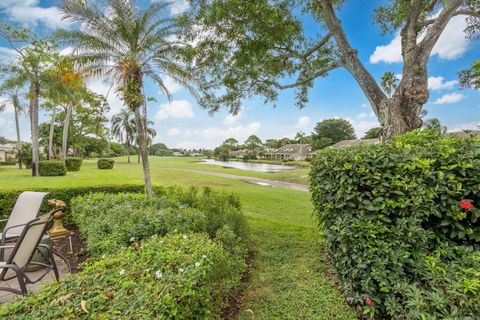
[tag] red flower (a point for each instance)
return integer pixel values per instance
(369, 301)
(467, 205)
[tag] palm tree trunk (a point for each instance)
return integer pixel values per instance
(128, 150)
(65, 131)
(16, 108)
(50, 136)
(143, 151)
(34, 106)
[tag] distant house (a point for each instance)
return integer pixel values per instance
(7, 152)
(296, 152)
(354, 142)
(239, 153)
(466, 133)
(177, 154)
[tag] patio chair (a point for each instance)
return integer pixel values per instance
(26, 209)
(22, 253)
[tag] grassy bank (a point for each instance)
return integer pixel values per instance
(287, 281)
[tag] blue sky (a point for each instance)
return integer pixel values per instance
(181, 123)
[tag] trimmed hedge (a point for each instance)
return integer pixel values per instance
(8, 163)
(8, 198)
(50, 168)
(73, 164)
(105, 163)
(175, 277)
(402, 224)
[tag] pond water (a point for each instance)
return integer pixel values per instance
(251, 166)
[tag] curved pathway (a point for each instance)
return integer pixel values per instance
(249, 179)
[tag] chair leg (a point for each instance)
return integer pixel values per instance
(54, 265)
(21, 279)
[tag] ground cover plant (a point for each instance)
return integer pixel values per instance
(402, 224)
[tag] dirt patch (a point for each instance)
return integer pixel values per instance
(74, 251)
(234, 301)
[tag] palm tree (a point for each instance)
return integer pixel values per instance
(389, 82)
(124, 44)
(12, 90)
(123, 130)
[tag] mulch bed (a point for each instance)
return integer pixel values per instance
(75, 253)
(234, 301)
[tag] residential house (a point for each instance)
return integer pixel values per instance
(296, 152)
(7, 152)
(239, 153)
(354, 142)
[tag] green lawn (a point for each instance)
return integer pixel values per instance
(287, 281)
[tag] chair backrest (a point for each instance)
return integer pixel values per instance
(26, 244)
(26, 209)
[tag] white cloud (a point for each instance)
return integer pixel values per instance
(31, 14)
(437, 83)
(449, 98)
(475, 125)
(179, 6)
(363, 122)
(390, 53)
(303, 121)
(190, 145)
(174, 132)
(3, 122)
(238, 132)
(175, 109)
(451, 44)
(105, 89)
(7, 54)
(231, 119)
(8, 105)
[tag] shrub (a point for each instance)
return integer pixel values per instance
(49, 168)
(390, 213)
(8, 163)
(112, 222)
(175, 277)
(105, 163)
(73, 164)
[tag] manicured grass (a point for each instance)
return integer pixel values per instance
(288, 279)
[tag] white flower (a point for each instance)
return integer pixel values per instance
(184, 237)
(204, 256)
(197, 264)
(122, 272)
(103, 256)
(132, 239)
(181, 270)
(158, 274)
(147, 270)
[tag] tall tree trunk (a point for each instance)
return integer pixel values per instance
(143, 150)
(16, 108)
(138, 155)
(128, 150)
(66, 124)
(50, 135)
(34, 106)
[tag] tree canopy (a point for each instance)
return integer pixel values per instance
(331, 131)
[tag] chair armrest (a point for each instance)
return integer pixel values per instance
(4, 232)
(11, 246)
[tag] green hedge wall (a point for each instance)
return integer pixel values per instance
(105, 163)
(403, 240)
(8, 163)
(73, 163)
(50, 168)
(8, 198)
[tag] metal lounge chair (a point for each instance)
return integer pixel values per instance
(26, 209)
(22, 253)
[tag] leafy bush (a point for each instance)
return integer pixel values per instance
(402, 240)
(50, 168)
(175, 277)
(8, 198)
(73, 164)
(111, 222)
(105, 163)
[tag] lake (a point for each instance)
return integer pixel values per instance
(251, 166)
